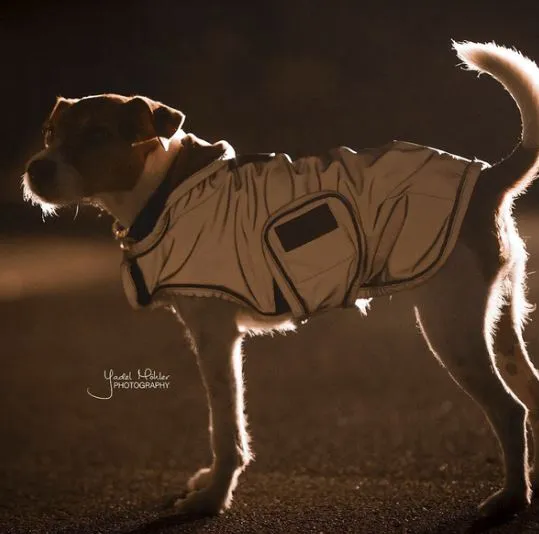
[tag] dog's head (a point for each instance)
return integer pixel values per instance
(96, 144)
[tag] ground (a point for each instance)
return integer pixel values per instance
(356, 427)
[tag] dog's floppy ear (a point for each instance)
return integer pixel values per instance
(147, 119)
(166, 120)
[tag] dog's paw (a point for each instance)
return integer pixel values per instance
(201, 479)
(504, 504)
(534, 482)
(204, 502)
(209, 491)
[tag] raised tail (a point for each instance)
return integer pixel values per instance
(520, 77)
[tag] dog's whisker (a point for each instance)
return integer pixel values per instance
(47, 209)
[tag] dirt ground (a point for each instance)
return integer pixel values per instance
(356, 428)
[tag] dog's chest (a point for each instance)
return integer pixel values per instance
(307, 235)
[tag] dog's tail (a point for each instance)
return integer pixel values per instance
(520, 77)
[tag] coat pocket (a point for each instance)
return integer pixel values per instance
(314, 250)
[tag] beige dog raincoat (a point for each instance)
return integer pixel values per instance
(307, 235)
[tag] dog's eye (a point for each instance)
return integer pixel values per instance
(48, 135)
(97, 134)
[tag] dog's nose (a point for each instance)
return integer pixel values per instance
(41, 171)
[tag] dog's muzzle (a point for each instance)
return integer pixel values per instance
(50, 179)
(41, 177)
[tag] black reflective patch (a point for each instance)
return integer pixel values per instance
(307, 227)
(143, 296)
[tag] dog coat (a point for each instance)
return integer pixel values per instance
(307, 235)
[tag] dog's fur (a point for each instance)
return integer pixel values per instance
(112, 151)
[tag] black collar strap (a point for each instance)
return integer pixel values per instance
(147, 217)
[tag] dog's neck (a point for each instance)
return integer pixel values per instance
(126, 205)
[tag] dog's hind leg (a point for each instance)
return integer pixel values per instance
(519, 373)
(511, 355)
(455, 312)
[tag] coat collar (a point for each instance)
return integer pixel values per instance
(194, 154)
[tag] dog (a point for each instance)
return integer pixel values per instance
(131, 157)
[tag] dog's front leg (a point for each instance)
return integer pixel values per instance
(216, 342)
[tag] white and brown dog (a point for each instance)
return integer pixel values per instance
(230, 256)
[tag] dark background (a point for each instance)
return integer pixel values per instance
(356, 428)
(295, 76)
